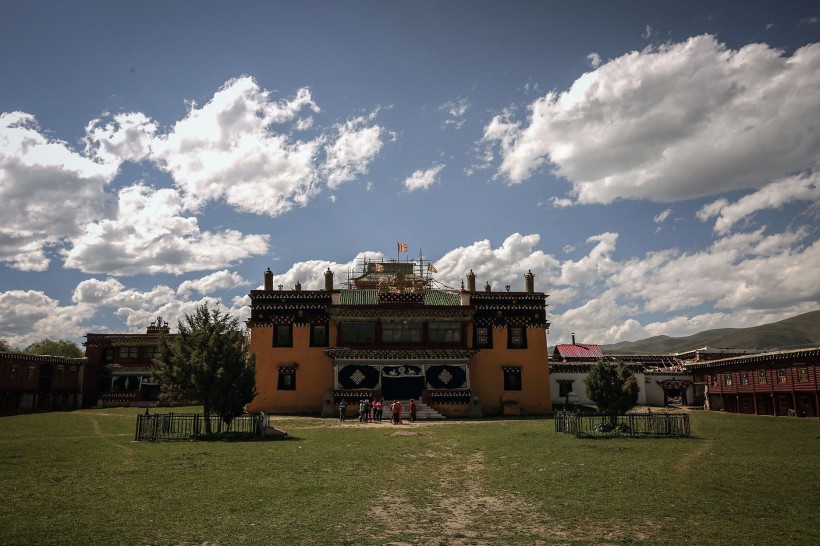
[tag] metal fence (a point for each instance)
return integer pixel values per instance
(670, 425)
(190, 426)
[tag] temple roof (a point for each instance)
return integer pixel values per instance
(586, 351)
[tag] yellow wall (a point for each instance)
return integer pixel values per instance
(487, 375)
(314, 373)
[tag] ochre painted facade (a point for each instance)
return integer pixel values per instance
(462, 353)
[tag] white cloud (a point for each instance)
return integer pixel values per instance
(30, 315)
(672, 122)
(421, 180)
(598, 264)
(221, 280)
(800, 187)
(594, 60)
(662, 216)
(124, 137)
(350, 154)
(149, 235)
(226, 149)
(456, 109)
(647, 33)
(113, 293)
(48, 191)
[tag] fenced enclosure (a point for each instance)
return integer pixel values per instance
(190, 426)
(632, 425)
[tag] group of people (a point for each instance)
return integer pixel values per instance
(373, 411)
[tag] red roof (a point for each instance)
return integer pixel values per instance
(587, 352)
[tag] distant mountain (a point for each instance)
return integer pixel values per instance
(791, 333)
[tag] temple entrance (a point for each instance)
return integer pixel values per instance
(402, 388)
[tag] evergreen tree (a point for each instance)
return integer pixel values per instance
(55, 347)
(208, 360)
(5, 347)
(613, 387)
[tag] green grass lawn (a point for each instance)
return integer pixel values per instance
(78, 478)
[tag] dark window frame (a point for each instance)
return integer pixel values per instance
(564, 388)
(522, 343)
(446, 328)
(512, 378)
(407, 332)
(277, 342)
(477, 343)
(802, 374)
(315, 339)
(287, 379)
(347, 328)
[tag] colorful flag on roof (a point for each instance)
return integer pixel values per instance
(402, 247)
(431, 269)
(379, 267)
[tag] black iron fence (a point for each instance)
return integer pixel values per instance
(671, 425)
(190, 426)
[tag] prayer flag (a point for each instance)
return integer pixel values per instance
(402, 247)
(379, 267)
(431, 269)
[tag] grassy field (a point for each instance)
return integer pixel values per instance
(78, 478)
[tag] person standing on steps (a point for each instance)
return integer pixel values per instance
(342, 410)
(412, 410)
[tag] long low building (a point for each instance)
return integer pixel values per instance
(389, 335)
(40, 383)
(774, 383)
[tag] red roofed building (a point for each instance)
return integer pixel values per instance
(576, 352)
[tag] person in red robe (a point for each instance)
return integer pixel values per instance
(412, 411)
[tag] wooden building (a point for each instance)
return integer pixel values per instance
(776, 383)
(39, 383)
(390, 335)
(120, 370)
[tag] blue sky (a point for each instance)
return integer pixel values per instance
(655, 164)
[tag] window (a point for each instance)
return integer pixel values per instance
(287, 379)
(129, 352)
(517, 338)
(802, 374)
(483, 337)
(714, 380)
(401, 332)
(564, 388)
(151, 352)
(761, 377)
(109, 355)
(744, 378)
(318, 335)
(781, 376)
(357, 332)
(727, 379)
(13, 373)
(60, 372)
(512, 378)
(444, 332)
(283, 335)
(31, 371)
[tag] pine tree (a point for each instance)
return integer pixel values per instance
(613, 387)
(208, 360)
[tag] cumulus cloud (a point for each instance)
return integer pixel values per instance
(31, 315)
(352, 150)
(150, 235)
(662, 216)
(48, 191)
(671, 122)
(113, 293)
(226, 149)
(800, 187)
(221, 280)
(421, 180)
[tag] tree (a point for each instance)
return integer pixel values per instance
(613, 387)
(55, 347)
(5, 347)
(208, 360)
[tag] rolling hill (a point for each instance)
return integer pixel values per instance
(791, 333)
